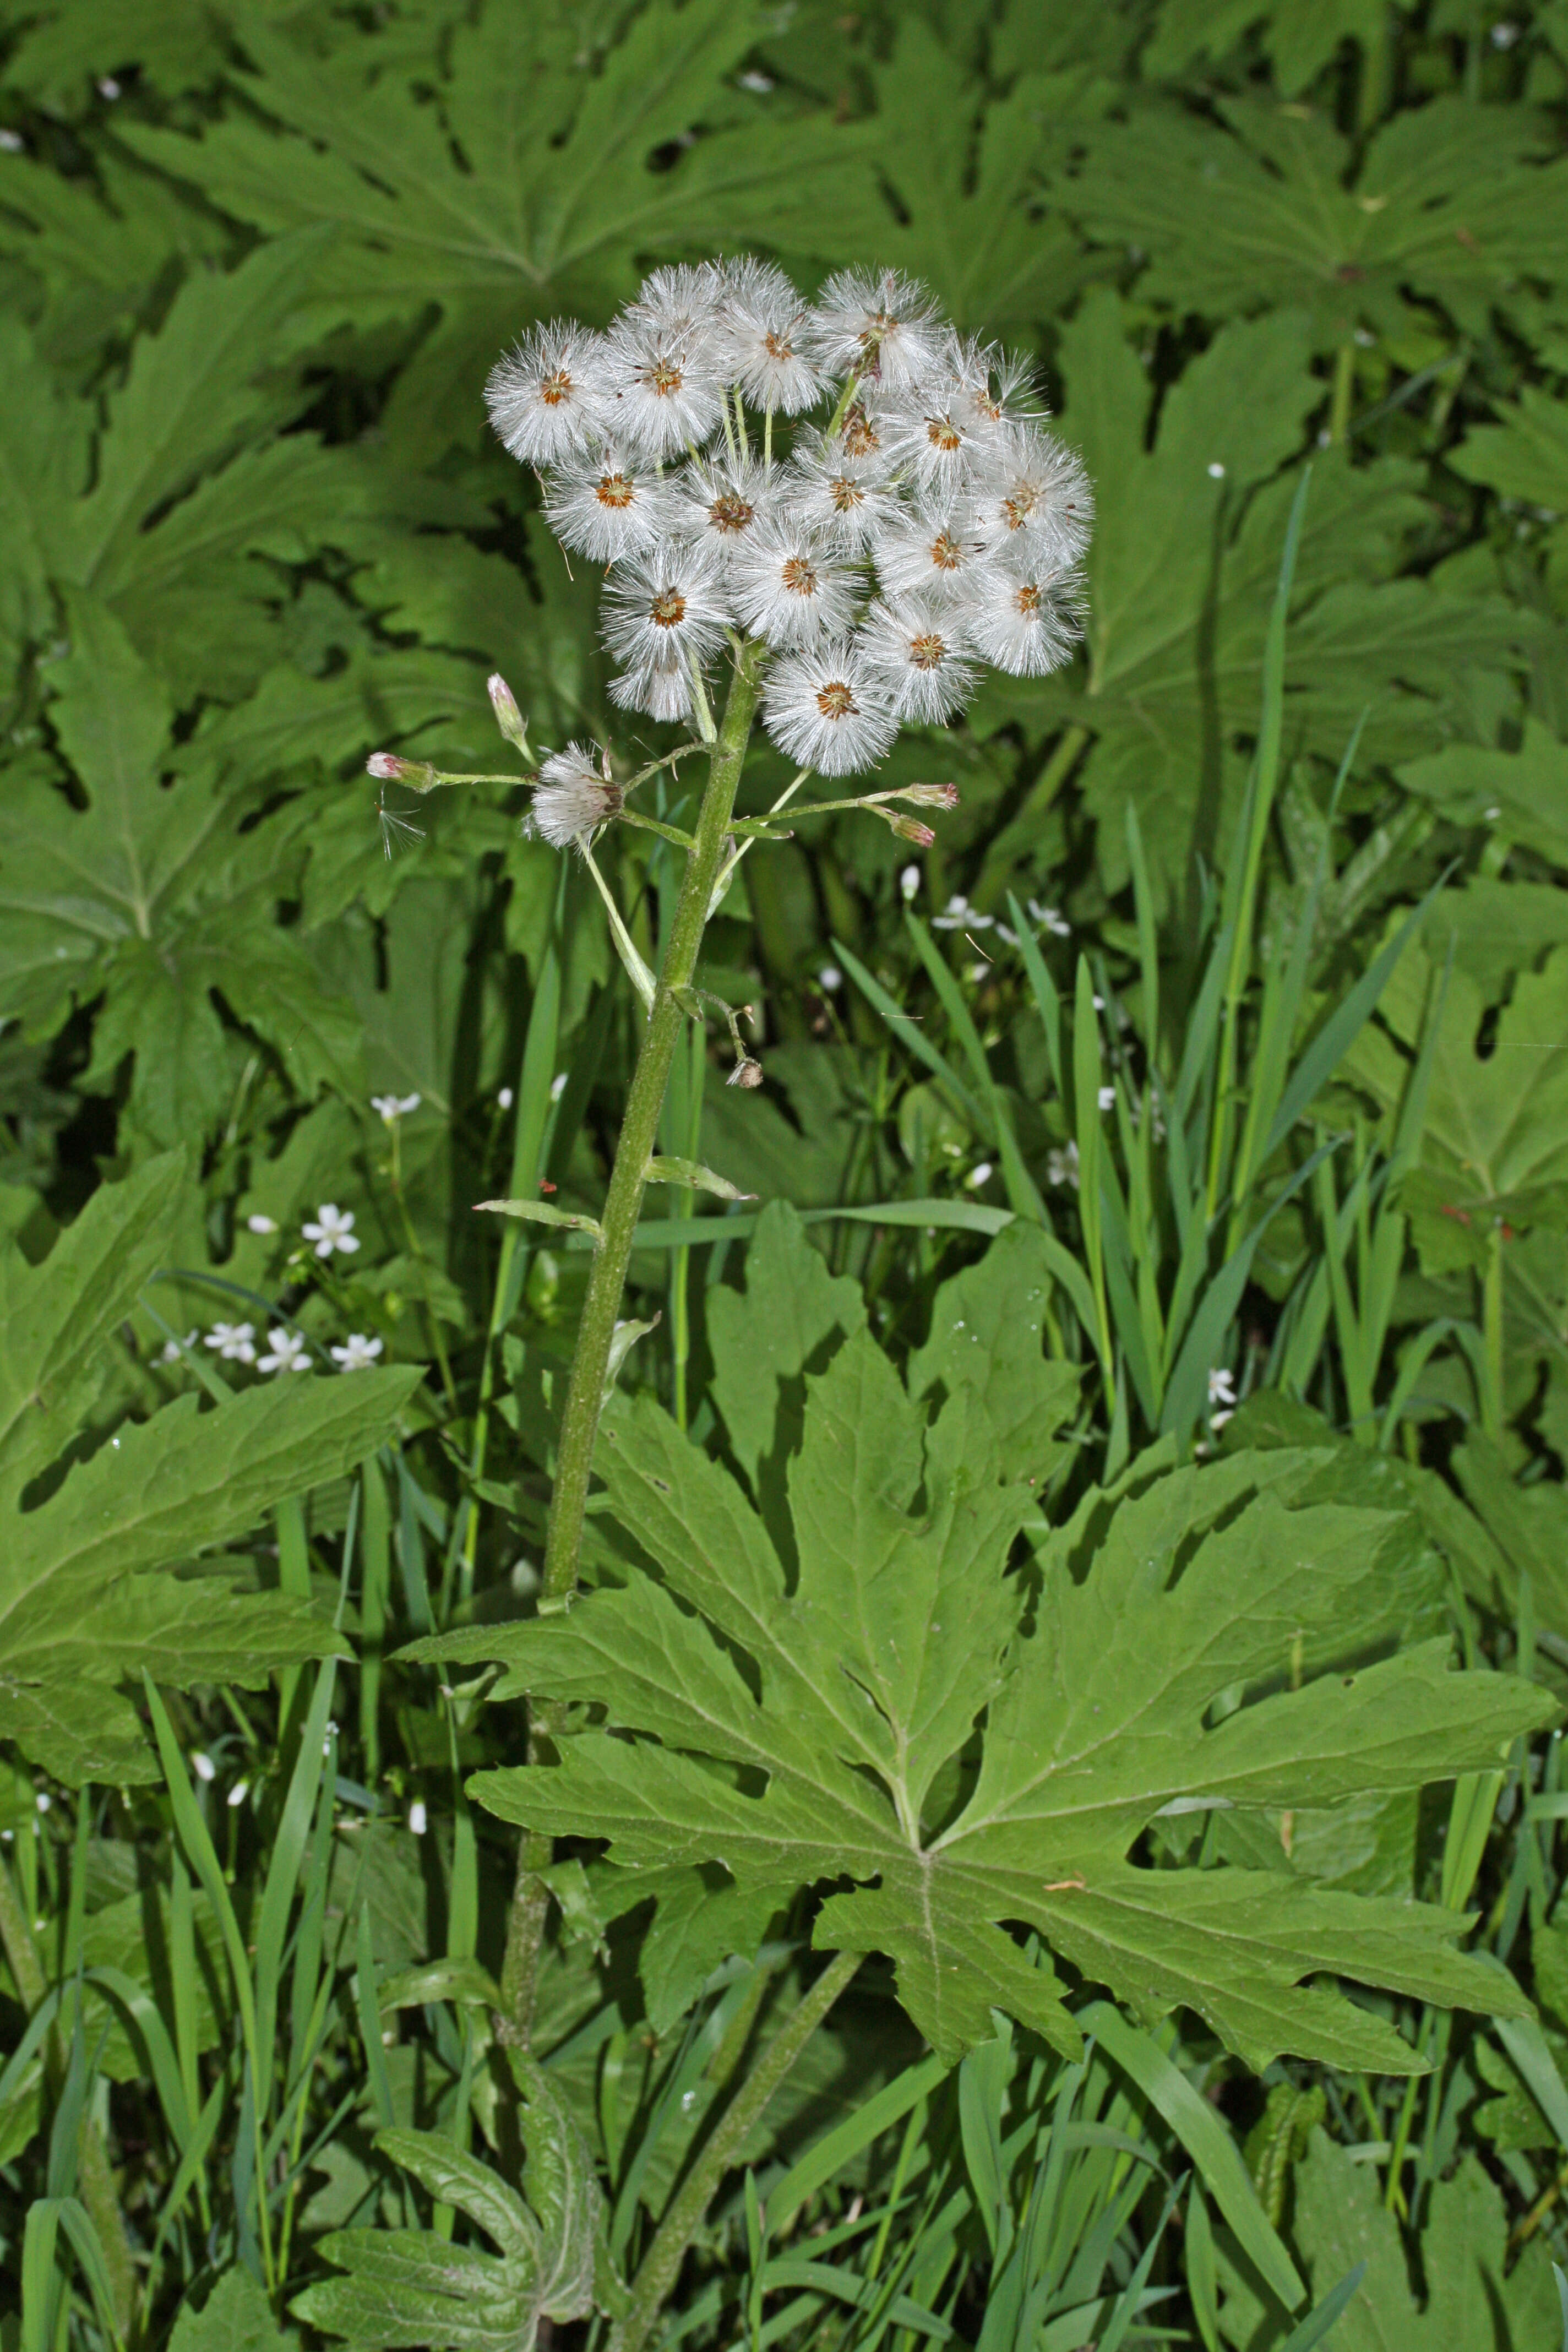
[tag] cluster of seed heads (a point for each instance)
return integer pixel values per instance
(930, 526)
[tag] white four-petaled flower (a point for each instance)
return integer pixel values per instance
(395, 1107)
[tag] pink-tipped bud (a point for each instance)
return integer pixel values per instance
(909, 828)
(746, 1073)
(931, 796)
(509, 717)
(389, 769)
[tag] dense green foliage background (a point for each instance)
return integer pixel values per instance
(256, 260)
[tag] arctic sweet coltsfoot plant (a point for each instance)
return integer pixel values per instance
(925, 526)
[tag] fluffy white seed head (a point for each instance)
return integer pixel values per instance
(881, 325)
(546, 397)
(991, 387)
(790, 587)
(942, 554)
(1032, 491)
(824, 709)
(915, 648)
(1024, 620)
(574, 797)
(762, 339)
(662, 694)
(845, 500)
(724, 499)
(607, 505)
(665, 392)
(665, 609)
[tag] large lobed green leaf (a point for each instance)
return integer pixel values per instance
(82, 1608)
(980, 1751)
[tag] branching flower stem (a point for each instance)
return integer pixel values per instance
(623, 1205)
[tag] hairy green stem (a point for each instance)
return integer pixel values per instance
(660, 2265)
(640, 1129)
(623, 1206)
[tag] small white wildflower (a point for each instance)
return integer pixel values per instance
(608, 505)
(1050, 919)
(547, 397)
(332, 1229)
(753, 80)
(981, 1174)
(259, 1223)
(885, 326)
(825, 710)
(418, 1820)
(505, 1099)
(759, 341)
(958, 915)
(558, 1086)
(573, 798)
(109, 89)
(665, 389)
(1216, 471)
(910, 882)
(11, 142)
(237, 1795)
(1222, 1386)
(202, 1766)
(287, 1353)
(830, 978)
(44, 1802)
(789, 586)
(1492, 814)
(1061, 1167)
(1504, 35)
(356, 1354)
(393, 1108)
(172, 1351)
(233, 1341)
(918, 655)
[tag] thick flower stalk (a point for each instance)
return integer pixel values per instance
(839, 575)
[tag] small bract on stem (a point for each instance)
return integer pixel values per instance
(857, 582)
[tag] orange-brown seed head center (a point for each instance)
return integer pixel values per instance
(835, 702)
(799, 577)
(928, 651)
(614, 490)
(667, 609)
(556, 388)
(730, 513)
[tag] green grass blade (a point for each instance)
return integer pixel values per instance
(1022, 1192)
(1188, 1392)
(907, 1030)
(1205, 2139)
(1317, 2324)
(283, 1871)
(840, 2147)
(1334, 1039)
(1046, 1001)
(1086, 1068)
(368, 2014)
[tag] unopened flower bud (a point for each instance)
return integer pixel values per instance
(509, 717)
(931, 796)
(746, 1073)
(909, 828)
(389, 769)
